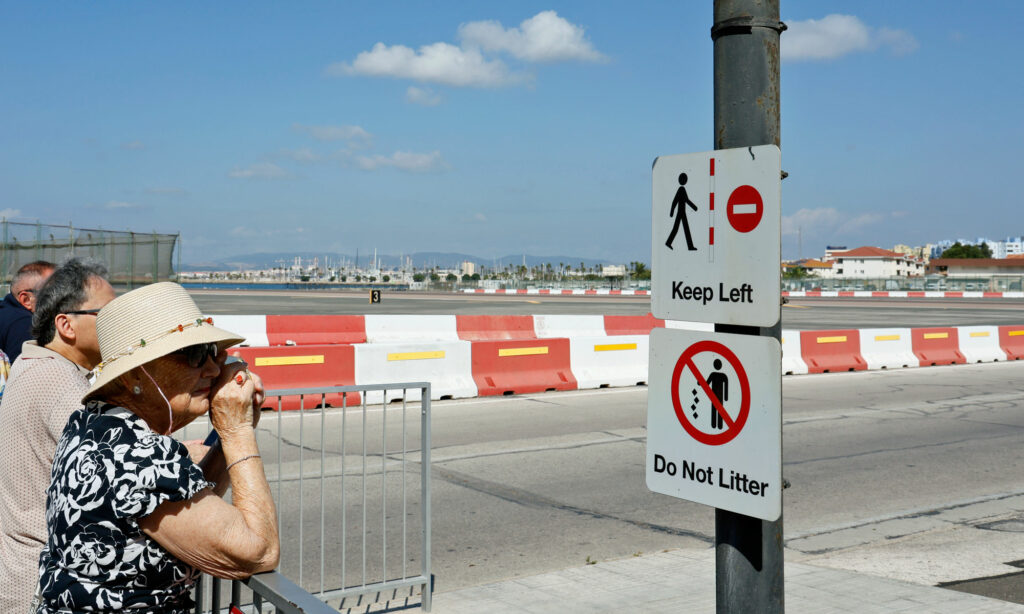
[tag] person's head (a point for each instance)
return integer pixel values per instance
(66, 308)
(160, 356)
(28, 279)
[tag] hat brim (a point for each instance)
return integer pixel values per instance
(158, 349)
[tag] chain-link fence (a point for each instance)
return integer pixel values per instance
(132, 258)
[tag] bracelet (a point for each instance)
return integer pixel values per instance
(244, 458)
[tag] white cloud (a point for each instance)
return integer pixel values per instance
(423, 96)
(260, 170)
(830, 221)
(10, 213)
(355, 135)
(836, 35)
(436, 63)
(304, 155)
(133, 145)
(545, 37)
(404, 161)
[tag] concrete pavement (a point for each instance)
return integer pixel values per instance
(684, 581)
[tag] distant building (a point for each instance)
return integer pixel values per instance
(873, 262)
(978, 267)
(921, 253)
(468, 268)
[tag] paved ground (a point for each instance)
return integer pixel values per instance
(684, 581)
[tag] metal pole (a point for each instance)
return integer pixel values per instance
(748, 551)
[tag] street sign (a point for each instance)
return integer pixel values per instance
(708, 269)
(714, 420)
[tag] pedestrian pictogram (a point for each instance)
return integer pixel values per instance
(678, 211)
(714, 420)
(745, 208)
(728, 272)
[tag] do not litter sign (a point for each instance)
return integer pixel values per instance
(716, 247)
(714, 420)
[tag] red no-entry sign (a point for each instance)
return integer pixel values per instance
(733, 426)
(745, 208)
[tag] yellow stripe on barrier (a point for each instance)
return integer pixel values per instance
(887, 337)
(280, 361)
(983, 333)
(1016, 333)
(416, 355)
(839, 339)
(523, 351)
(613, 347)
(936, 335)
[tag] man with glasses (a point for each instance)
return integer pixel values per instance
(17, 307)
(46, 385)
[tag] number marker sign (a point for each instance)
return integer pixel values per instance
(707, 269)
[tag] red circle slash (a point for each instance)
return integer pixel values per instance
(745, 208)
(733, 426)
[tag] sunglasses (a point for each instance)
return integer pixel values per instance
(83, 312)
(196, 355)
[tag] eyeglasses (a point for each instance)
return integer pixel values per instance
(196, 355)
(82, 312)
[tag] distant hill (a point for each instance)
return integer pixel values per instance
(420, 260)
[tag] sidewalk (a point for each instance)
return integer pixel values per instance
(684, 581)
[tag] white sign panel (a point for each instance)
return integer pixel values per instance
(716, 246)
(714, 420)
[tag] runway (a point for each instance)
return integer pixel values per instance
(798, 314)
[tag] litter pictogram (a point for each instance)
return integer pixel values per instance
(706, 417)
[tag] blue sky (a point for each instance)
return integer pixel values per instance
(492, 128)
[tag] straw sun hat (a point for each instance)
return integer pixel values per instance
(148, 323)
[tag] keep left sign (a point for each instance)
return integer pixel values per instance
(716, 220)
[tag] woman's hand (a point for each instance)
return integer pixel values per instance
(231, 400)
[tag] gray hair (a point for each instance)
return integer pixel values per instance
(29, 274)
(65, 290)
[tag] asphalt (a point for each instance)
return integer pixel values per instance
(684, 581)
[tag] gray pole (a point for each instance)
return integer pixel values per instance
(748, 551)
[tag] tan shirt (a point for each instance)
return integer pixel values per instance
(42, 391)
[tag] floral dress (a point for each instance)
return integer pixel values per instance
(109, 471)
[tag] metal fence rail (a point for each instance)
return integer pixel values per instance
(340, 472)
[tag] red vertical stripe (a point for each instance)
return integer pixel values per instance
(711, 201)
(712, 167)
(711, 238)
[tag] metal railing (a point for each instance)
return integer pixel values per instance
(338, 468)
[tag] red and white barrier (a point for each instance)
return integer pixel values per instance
(575, 292)
(899, 294)
(478, 355)
(887, 348)
(937, 346)
(980, 343)
(792, 360)
(830, 351)
(447, 365)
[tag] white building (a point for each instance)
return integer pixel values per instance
(873, 262)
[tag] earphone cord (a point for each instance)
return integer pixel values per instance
(170, 417)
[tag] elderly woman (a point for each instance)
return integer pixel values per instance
(132, 518)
